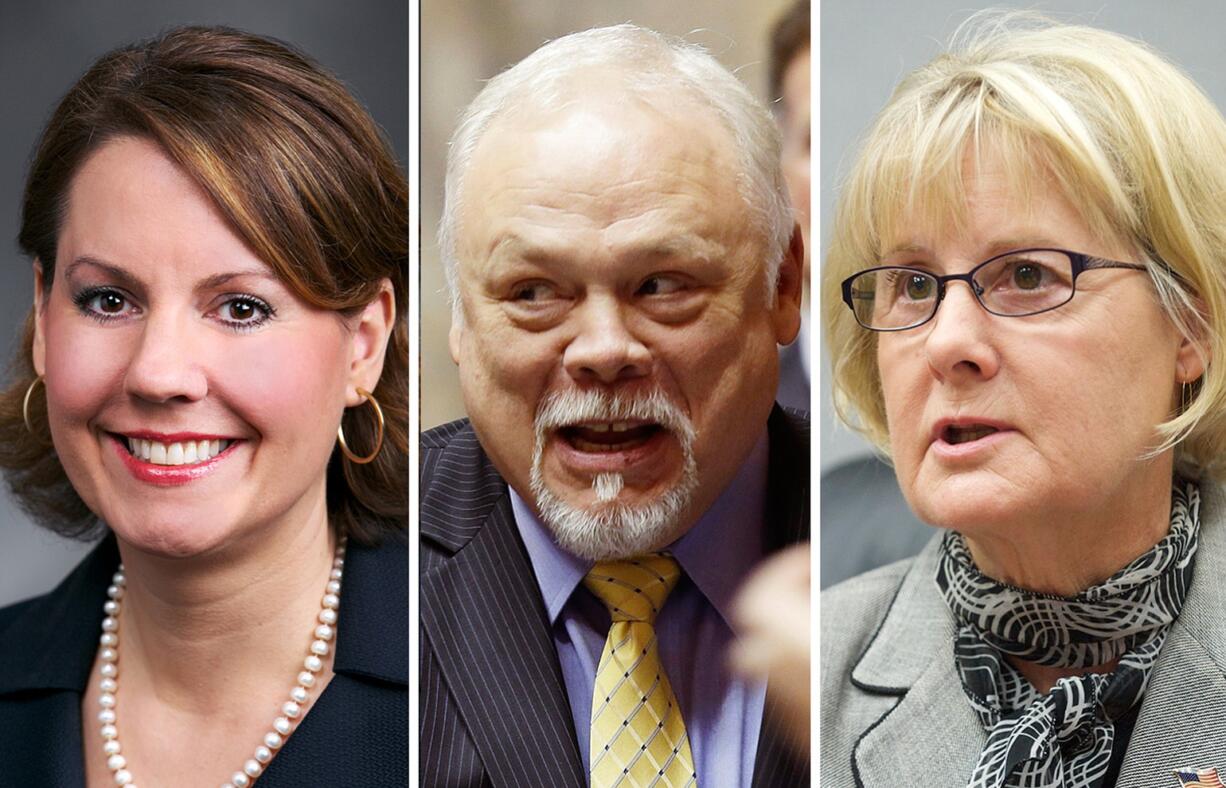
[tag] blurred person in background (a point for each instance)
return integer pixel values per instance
(624, 263)
(1025, 304)
(213, 379)
(789, 90)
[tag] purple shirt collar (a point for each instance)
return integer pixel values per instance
(716, 553)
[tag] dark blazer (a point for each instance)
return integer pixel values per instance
(356, 733)
(494, 710)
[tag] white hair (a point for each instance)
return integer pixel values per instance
(651, 65)
(611, 529)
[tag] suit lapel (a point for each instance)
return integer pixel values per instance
(928, 736)
(1183, 715)
(484, 619)
(931, 732)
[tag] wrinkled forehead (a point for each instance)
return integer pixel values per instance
(604, 160)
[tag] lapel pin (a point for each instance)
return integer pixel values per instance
(1199, 778)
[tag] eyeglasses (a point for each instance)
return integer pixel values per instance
(1014, 284)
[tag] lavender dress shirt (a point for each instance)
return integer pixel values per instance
(723, 713)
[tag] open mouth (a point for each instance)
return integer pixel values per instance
(187, 452)
(609, 436)
(965, 433)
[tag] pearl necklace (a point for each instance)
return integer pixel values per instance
(282, 726)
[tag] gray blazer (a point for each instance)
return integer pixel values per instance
(892, 707)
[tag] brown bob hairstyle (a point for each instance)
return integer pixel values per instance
(298, 170)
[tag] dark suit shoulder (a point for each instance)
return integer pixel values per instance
(438, 437)
(11, 613)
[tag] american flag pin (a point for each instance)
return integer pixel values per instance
(1199, 778)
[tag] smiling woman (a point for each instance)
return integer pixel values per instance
(214, 376)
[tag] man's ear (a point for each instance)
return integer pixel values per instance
(789, 290)
(369, 343)
(39, 349)
(455, 335)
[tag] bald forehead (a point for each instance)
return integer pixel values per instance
(622, 177)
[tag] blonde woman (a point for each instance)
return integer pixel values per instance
(1025, 300)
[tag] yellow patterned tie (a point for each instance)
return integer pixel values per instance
(638, 734)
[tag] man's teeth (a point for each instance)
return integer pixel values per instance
(178, 453)
(615, 436)
(604, 426)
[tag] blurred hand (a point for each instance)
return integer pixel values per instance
(771, 615)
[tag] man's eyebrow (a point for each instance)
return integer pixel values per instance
(686, 245)
(126, 278)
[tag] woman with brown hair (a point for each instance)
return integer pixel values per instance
(214, 376)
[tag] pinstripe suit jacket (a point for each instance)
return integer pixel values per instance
(494, 710)
(893, 707)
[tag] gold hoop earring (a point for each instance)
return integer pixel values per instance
(340, 432)
(1185, 397)
(25, 403)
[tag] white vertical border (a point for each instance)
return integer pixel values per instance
(413, 171)
(815, 387)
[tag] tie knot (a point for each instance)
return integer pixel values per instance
(634, 590)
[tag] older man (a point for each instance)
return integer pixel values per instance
(623, 264)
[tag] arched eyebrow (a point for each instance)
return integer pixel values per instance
(127, 279)
(116, 272)
(217, 280)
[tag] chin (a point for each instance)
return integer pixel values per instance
(967, 513)
(614, 526)
(172, 537)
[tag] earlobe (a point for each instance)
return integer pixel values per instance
(1192, 358)
(38, 350)
(1191, 362)
(789, 290)
(455, 336)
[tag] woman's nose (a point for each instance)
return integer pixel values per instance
(166, 363)
(959, 342)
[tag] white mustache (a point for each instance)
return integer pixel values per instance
(567, 408)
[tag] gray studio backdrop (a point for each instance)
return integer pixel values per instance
(45, 47)
(867, 47)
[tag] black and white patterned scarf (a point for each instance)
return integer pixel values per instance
(1064, 737)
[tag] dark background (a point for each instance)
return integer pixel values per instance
(45, 47)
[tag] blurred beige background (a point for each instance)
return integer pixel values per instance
(464, 42)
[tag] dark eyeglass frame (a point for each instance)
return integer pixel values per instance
(1080, 263)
